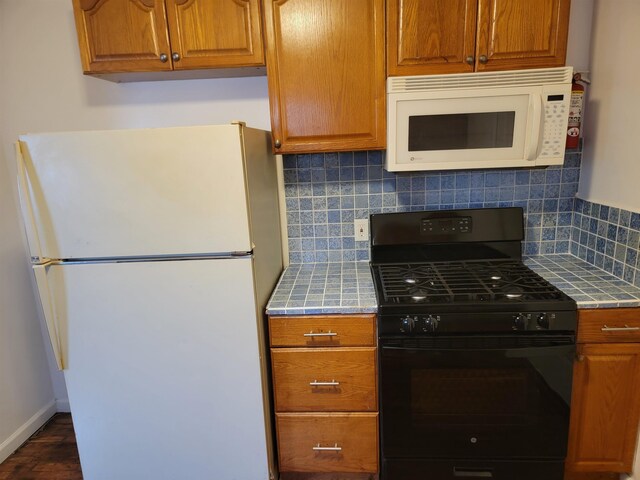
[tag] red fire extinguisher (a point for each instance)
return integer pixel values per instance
(575, 112)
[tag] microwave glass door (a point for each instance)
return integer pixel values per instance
(458, 131)
(463, 132)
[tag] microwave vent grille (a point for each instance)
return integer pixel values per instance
(514, 78)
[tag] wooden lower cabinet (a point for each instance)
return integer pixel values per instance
(339, 379)
(605, 408)
(591, 476)
(328, 442)
(322, 331)
(324, 372)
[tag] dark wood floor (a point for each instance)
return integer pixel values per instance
(50, 454)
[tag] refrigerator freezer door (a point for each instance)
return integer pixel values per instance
(162, 368)
(124, 193)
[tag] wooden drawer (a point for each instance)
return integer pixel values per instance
(355, 434)
(322, 331)
(350, 373)
(609, 325)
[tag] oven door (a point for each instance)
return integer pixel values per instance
(476, 397)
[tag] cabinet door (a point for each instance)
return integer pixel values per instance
(215, 33)
(515, 34)
(322, 331)
(430, 36)
(122, 35)
(325, 65)
(324, 379)
(302, 436)
(605, 408)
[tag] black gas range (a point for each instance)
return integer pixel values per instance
(476, 349)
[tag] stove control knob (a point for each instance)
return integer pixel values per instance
(520, 322)
(430, 324)
(543, 321)
(407, 324)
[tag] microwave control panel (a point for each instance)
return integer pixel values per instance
(556, 117)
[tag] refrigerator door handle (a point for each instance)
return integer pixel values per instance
(24, 193)
(42, 282)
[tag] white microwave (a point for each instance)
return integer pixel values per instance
(513, 118)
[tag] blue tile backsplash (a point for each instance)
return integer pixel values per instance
(326, 192)
(608, 238)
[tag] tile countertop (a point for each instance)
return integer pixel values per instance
(347, 287)
(588, 285)
(323, 288)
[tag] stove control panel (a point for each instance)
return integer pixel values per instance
(505, 322)
(439, 226)
(419, 324)
(533, 321)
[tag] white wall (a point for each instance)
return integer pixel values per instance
(26, 395)
(610, 162)
(578, 45)
(44, 90)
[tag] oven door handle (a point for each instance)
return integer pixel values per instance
(514, 351)
(473, 472)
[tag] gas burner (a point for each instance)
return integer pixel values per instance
(513, 292)
(465, 282)
(417, 294)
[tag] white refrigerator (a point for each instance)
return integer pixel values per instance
(154, 253)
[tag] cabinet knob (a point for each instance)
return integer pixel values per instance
(164, 57)
(175, 56)
(469, 60)
(580, 358)
(483, 59)
(277, 143)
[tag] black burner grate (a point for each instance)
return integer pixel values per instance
(463, 282)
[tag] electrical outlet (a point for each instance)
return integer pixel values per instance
(361, 229)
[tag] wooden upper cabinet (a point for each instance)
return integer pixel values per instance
(163, 35)
(430, 36)
(122, 35)
(515, 34)
(456, 36)
(215, 33)
(326, 73)
(605, 408)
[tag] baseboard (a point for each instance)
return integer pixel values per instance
(23, 433)
(62, 405)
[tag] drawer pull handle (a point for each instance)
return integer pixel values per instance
(332, 383)
(335, 448)
(626, 328)
(328, 334)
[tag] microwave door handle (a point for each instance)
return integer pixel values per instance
(535, 116)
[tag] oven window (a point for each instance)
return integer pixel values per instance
(457, 397)
(499, 396)
(461, 131)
